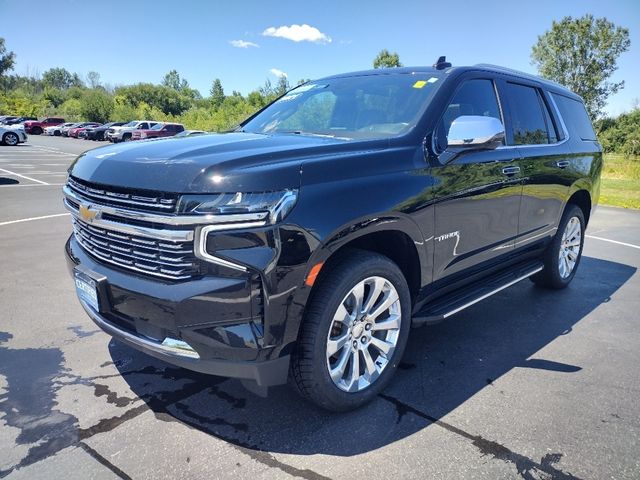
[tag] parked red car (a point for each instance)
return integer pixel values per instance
(36, 127)
(157, 131)
(74, 132)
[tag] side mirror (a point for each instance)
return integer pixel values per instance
(474, 132)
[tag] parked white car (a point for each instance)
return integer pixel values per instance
(56, 130)
(12, 135)
(124, 132)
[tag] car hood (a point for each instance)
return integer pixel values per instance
(209, 163)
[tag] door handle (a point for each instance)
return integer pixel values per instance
(509, 171)
(562, 164)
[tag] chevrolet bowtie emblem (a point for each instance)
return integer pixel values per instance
(87, 214)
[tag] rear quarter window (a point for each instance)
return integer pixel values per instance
(575, 117)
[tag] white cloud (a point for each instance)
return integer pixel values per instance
(278, 73)
(298, 33)
(242, 44)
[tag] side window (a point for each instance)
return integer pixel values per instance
(143, 126)
(474, 97)
(529, 116)
(575, 116)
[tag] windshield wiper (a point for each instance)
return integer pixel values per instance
(311, 134)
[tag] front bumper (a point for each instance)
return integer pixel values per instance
(204, 324)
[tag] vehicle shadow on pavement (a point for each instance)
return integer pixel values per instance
(444, 365)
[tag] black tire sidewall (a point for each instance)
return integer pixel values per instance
(331, 396)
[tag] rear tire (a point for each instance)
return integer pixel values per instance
(562, 256)
(339, 363)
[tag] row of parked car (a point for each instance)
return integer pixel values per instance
(113, 131)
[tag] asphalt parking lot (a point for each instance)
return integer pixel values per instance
(528, 384)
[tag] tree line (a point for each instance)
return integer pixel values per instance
(60, 92)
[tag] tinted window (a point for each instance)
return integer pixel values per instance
(527, 116)
(474, 97)
(575, 116)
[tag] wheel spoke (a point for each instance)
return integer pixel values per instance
(391, 298)
(368, 361)
(355, 371)
(574, 243)
(374, 293)
(574, 228)
(342, 315)
(334, 345)
(393, 322)
(358, 295)
(338, 371)
(381, 345)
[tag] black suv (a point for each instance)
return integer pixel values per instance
(304, 245)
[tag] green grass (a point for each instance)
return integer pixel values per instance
(620, 181)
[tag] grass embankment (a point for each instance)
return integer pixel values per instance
(620, 181)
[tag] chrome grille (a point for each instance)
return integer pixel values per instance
(173, 260)
(123, 198)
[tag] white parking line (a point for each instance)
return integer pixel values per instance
(23, 176)
(34, 218)
(32, 185)
(613, 241)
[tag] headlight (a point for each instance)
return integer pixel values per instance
(270, 207)
(235, 211)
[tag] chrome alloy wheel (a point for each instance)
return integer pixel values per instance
(570, 247)
(363, 334)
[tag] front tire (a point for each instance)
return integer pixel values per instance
(36, 130)
(562, 257)
(354, 332)
(11, 139)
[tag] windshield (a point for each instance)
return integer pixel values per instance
(131, 124)
(371, 106)
(157, 126)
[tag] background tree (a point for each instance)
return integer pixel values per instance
(97, 106)
(386, 59)
(582, 54)
(282, 86)
(93, 79)
(7, 60)
(61, 78)
(173, 80)
(217, 93)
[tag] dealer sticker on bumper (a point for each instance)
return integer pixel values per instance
(86, 289)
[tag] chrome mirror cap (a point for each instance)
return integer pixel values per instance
(475, 131)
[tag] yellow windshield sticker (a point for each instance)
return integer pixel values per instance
(419, 84)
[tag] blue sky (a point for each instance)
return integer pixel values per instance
(128, 42)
